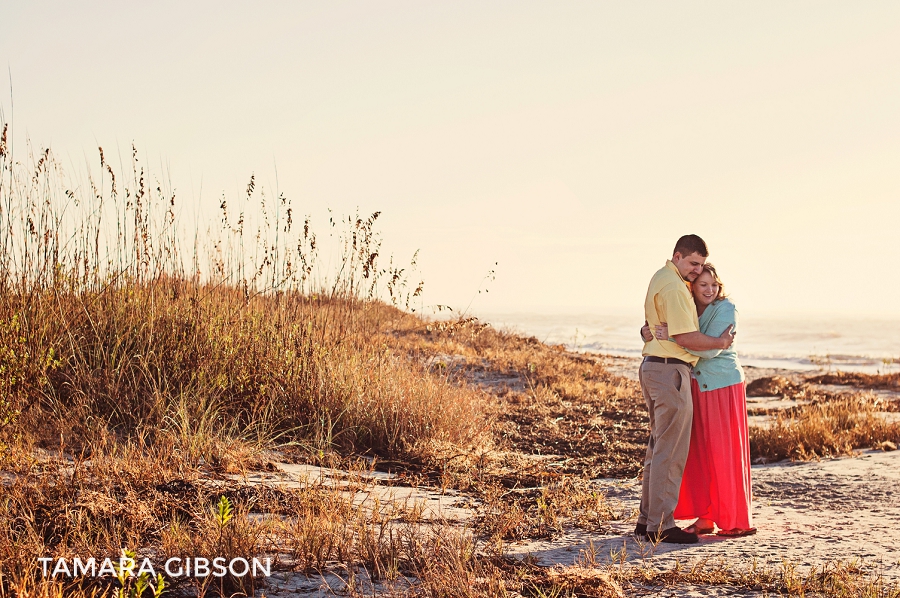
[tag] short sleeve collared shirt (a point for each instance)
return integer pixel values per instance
(669, 300)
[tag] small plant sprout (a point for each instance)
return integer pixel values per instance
(160, 586)
(131, 586)
(224, 512)
(124, 568)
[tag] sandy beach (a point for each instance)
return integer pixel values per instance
(810, 516)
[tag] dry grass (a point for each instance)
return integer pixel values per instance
(132, 381)
(204, 365)
(774, 386)
(827, 429)
(540, 512)
(825, 423)
(103, 327)
(502, 577)
(148, 500)
(837, 579)
(147, 376)
(861, 381)
(547, 401)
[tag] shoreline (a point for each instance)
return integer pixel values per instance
(810, 345)
(627, 367)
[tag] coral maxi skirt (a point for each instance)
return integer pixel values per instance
(716, 481)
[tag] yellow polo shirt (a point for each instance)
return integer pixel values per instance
(669, 300)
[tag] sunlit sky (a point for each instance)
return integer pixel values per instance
(571, 143)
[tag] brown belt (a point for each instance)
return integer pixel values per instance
(671, 360)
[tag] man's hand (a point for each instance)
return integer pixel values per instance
(727, 337)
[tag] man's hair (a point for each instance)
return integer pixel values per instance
(689, 244)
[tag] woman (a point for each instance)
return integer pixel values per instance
(715, 487)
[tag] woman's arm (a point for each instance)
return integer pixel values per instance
(708, 354)
(724, 316)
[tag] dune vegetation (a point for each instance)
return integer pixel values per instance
(139, 369)
(144, 370)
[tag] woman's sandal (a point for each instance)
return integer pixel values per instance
(693, 529)
(736, 533)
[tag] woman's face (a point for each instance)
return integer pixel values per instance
(705, 289)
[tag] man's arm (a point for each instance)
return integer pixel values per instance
(697, 341)
(662, 333)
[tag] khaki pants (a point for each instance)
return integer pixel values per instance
(667, 391)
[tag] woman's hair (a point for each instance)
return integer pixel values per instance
(712, 272)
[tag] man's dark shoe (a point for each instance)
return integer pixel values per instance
(640, 530)
(673, 535)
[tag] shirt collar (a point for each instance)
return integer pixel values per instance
(671, 265)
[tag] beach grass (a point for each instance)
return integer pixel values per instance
(859, 380)
(837, 427)
(145, 375)
(140, 369)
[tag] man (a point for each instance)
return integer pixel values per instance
(665, 376)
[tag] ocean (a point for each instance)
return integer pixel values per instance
(837, 344)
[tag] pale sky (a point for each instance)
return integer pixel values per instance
(571, 142)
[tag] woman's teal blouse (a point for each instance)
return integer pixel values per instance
(717, 368)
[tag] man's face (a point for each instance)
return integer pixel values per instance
(689, 266)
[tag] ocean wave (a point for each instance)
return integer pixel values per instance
(870, 346)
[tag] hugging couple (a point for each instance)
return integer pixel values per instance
(698, 457)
